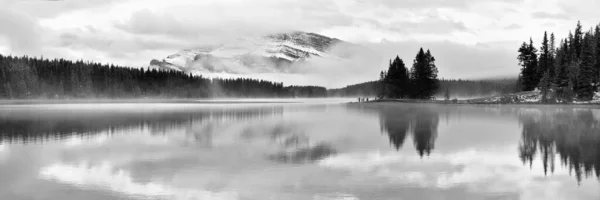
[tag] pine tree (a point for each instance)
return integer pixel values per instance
(528, 62)
(561, 79)
(597, 68)
(396, 80)
(585, 88)
(545, 58)
(424, 75)
(552, 57)
(577, 45)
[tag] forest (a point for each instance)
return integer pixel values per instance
(564, 71)
(39, 78)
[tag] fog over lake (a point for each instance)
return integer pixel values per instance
(299, 150)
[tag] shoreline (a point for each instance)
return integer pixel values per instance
(264, 100)
(472, 102)
(139, 101)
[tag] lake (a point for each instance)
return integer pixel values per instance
(298, 151)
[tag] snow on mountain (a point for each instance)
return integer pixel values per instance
(268, 54)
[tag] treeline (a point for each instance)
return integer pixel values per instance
(419, 83)
(456, 88)
(306, 91)
(565, 72)
(453, 88)
(29, 77)
(368, 89)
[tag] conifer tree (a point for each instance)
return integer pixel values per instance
(552, 57)
(528, 62)
(561, 79)
(597, 68)
(577, 41)
(424, 75)
(545, 57)
(585, 87)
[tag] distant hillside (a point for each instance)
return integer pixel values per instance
(460, 89)
(267, 54)
(361, 89)
(36, 78)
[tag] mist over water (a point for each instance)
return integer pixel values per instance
(294, 149)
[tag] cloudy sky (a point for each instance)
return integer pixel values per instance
(470, 38)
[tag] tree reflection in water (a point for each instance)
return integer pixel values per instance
(572, 133)
(403, 120)
(34, 126)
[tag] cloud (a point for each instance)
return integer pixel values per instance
(106, 176)
(133, 32)
(546, 15)
(213, 20)
(428, 26)
(471, 170)
(513, 27)
(434, 4)
(21, 31)
(51, 8)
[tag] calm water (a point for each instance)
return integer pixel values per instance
(298, 151)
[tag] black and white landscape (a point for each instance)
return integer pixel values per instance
(299, 100)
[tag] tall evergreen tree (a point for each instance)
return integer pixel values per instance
(545, 58)
(398, 78)
(577, 41)
(585, 79)
(528, 61)
(597, 68)
(424, 75)
(561, 79)
(552, 57)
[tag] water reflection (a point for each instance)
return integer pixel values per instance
(573, 134)
(38, 126)
(567, 136)
(302, 152)
(400, 121)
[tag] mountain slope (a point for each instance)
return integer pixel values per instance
(271, 53)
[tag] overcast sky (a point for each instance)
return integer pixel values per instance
(470, 38)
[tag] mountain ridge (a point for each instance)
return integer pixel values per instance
(269, 53)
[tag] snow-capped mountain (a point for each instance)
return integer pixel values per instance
(271, 53)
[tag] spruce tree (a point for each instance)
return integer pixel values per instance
(597, 68)
(396, 79)
(528, 62)
(552, 57)
(424, 75)
(561, 79)
(585, 87)
(578, 40)
(545, 58)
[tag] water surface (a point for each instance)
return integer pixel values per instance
(298, 151)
